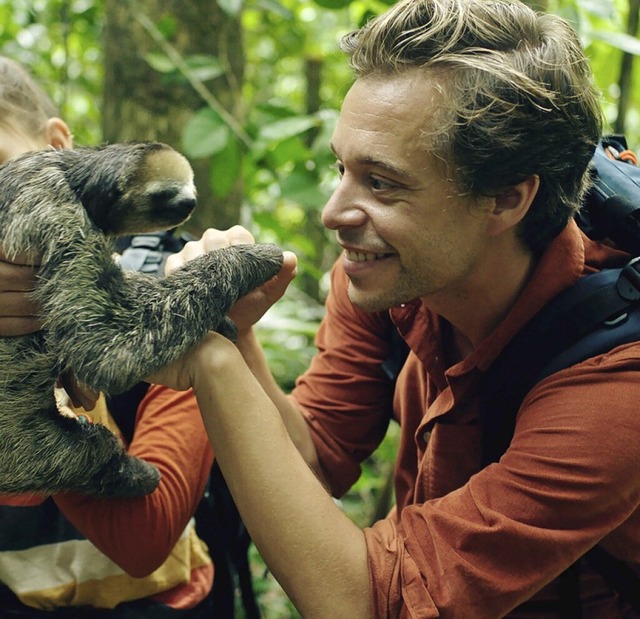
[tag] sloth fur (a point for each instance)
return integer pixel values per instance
(108, 327)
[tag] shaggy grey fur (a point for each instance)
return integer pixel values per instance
(109, 327)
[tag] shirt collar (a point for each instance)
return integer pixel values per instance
(567, 258)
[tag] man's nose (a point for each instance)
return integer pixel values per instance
(344, 208)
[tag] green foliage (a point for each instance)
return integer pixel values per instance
(601, 25)
(59, 41)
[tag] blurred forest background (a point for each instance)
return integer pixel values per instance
(249, 90)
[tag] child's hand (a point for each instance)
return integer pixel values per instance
(18, 311)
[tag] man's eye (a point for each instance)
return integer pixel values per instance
(339, 167)
(378, 184)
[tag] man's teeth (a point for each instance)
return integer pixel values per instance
(356, 256)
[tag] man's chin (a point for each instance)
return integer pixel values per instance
(369, 302)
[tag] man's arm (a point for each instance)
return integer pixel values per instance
(317, 554)
(245, 314)
(297, 427)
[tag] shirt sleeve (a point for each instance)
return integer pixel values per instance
(139, 533)
(568, 481)
(345, 395)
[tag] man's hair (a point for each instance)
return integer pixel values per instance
(22, 100)
(517, 97)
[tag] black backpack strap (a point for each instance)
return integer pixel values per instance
(611, 208)
(219, 525)
(147, 253)
(124, 406)
(398, 352)
(600, 312)
(617, 574)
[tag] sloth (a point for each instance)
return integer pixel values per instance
(109, 327)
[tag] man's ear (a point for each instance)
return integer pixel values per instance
(58, 134)
(509, 207)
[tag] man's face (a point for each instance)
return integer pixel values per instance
(405, 231)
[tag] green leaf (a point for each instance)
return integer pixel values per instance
(204, 66)
(167, 26)
(302, 187)
(285, 152)
(225, 169)
(622, 41)
(333, 4)
(160, 62)
(204, 135)
(287, 127)
(231, 7)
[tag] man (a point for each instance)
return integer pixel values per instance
(462, 149)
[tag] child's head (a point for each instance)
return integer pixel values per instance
(28, 118)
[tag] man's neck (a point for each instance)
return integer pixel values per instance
(475, 310)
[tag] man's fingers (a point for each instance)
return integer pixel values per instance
(237, 235)
(278, 285)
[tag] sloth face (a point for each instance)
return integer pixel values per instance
(159, 194)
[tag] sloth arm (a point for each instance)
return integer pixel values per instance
(139, 533)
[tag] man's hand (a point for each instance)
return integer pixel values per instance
(18, 311)
(199, 365)
(248, 310)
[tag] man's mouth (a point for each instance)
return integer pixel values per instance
(358, 256)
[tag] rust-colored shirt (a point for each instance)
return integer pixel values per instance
(463, 541)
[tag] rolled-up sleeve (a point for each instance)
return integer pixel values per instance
(398, 588)
(345, 395)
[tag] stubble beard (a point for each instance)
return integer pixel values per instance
(402, 292)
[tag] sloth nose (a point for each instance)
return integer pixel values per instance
(177, 200)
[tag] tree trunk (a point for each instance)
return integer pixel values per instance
(626, 70)
(140, 103)
(314, 230)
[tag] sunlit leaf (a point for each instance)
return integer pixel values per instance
(287, 152)
(204, 66)
(287, 127)
(622, 41)
(204, 135)
(226, 166)
(160, 62)
(231, 7)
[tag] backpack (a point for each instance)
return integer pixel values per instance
(218, 522)
(598, 313)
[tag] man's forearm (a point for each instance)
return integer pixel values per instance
(251, 350)
(317, 554)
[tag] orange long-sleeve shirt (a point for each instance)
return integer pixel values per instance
(134, 547)
(466, 542)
